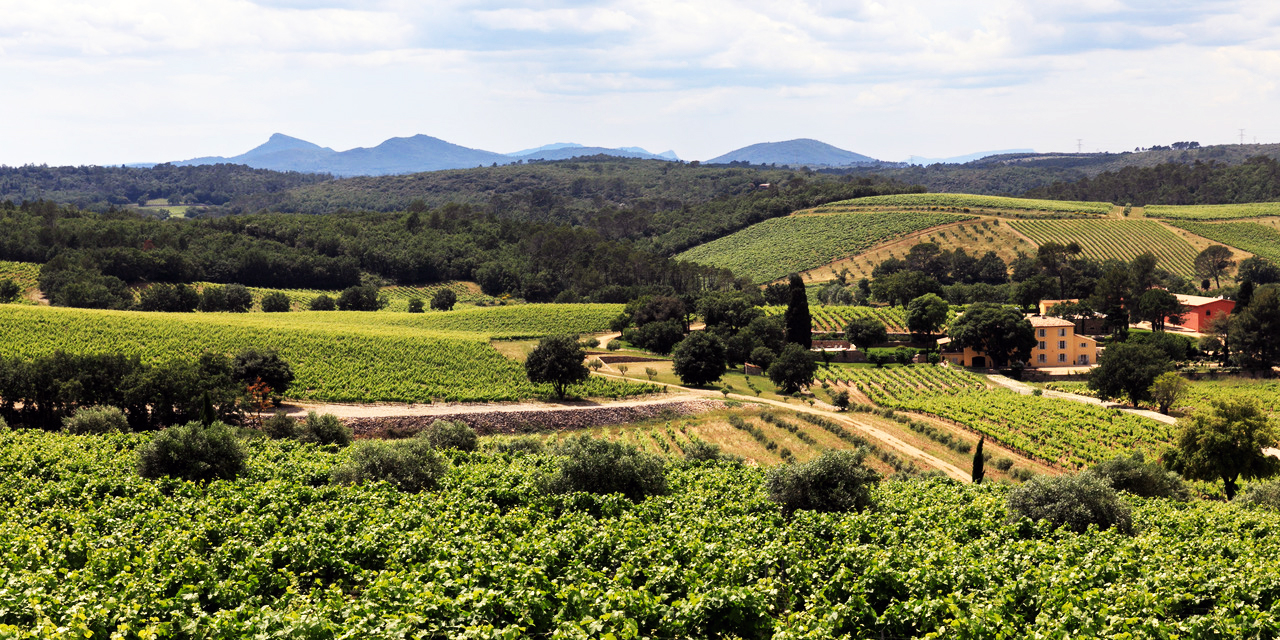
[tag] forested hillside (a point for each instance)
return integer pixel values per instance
(1255, 180)
(100, 187)
(535, 261)
(666, 206)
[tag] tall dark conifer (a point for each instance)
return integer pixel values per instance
(799, 324)
(979, 465)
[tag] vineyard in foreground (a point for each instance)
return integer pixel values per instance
(1250, 236)
(776, 247)
(974, 203)
(1118, 239)
(337, 356)
(92, 551)
(1059, 431)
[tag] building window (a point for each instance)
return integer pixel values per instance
(1062, 332)
(1042, 334)
(1062, 344)
(1042, 344)
(1206, 313)
(1084, 359)
(1062, 357)
(1043, 358)
(1084, 346)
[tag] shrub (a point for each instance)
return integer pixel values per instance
(614, 345)
(1002, 463)
(276, 302)
(444, 434)
(836, 481)
(522, 444)
(444, 299)
(762, 357)
(366, 298)
(703, 451)
(1141, 478)
(9, 290)
(252, 365)
(96, 420)
(841, 400)
(324, 429)
(1260, 495)
(193, 452)
(600, 466)
(177, 298)
(591, 342)
(415, 305)
(323, 303)
(280, 426)
(1073, 501)
(237, 297)
(410, 465)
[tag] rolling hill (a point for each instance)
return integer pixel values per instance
(800, 152)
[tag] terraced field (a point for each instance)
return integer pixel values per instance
(969, 204)
(1119, 239)
(1065, 433)
(1212, 211)
(337, 356)
(774, 248)
(1255, 238)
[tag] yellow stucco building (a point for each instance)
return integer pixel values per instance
(1057, 345)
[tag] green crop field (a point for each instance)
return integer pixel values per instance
(774, 248)
(337, 356)
(93, 551)
(1119, 239)
(974, 203)
(1212, 211)
(833, 319)
(1059, 431)
(1250, 236)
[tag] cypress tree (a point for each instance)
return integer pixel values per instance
(798, 323)
(207, 415)
(979, 468)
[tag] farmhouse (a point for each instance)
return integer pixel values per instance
(1200, 310)
(1057, 345)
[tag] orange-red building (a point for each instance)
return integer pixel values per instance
(1200, 310)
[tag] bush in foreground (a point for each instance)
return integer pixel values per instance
(193, 452)
(836, 481)
(280, 426)
(600, 466)
(444, 434)
(1141, 478)
(276, 302)
(1260, 495)
(1073, 502)
(522, 444)
(411, 465)
(324, 429)
(699, 451)
(96, 420)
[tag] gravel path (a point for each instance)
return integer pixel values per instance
(1027, 390)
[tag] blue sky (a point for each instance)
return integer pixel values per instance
(107, 81)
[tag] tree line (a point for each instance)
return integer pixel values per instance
(1255, 180)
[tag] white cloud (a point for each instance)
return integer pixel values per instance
(125, 80)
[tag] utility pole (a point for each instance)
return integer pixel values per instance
(1242, 137)
(1079, 144)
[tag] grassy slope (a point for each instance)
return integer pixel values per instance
(337, 356)
(1254, 237)
(776, 247)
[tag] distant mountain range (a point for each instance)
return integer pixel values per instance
(804, 151)
(425, 153)
(399, 156)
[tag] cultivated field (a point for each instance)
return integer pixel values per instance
(24, 274)
(397, 296)
(835, 318)
(337, 356)
(93, 551)
(774, 248)
(1259, 239)
(1119, 239)
(1061, 432)
(970, 204)
(1212, 211)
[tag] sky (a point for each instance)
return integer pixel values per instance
(115, 81)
